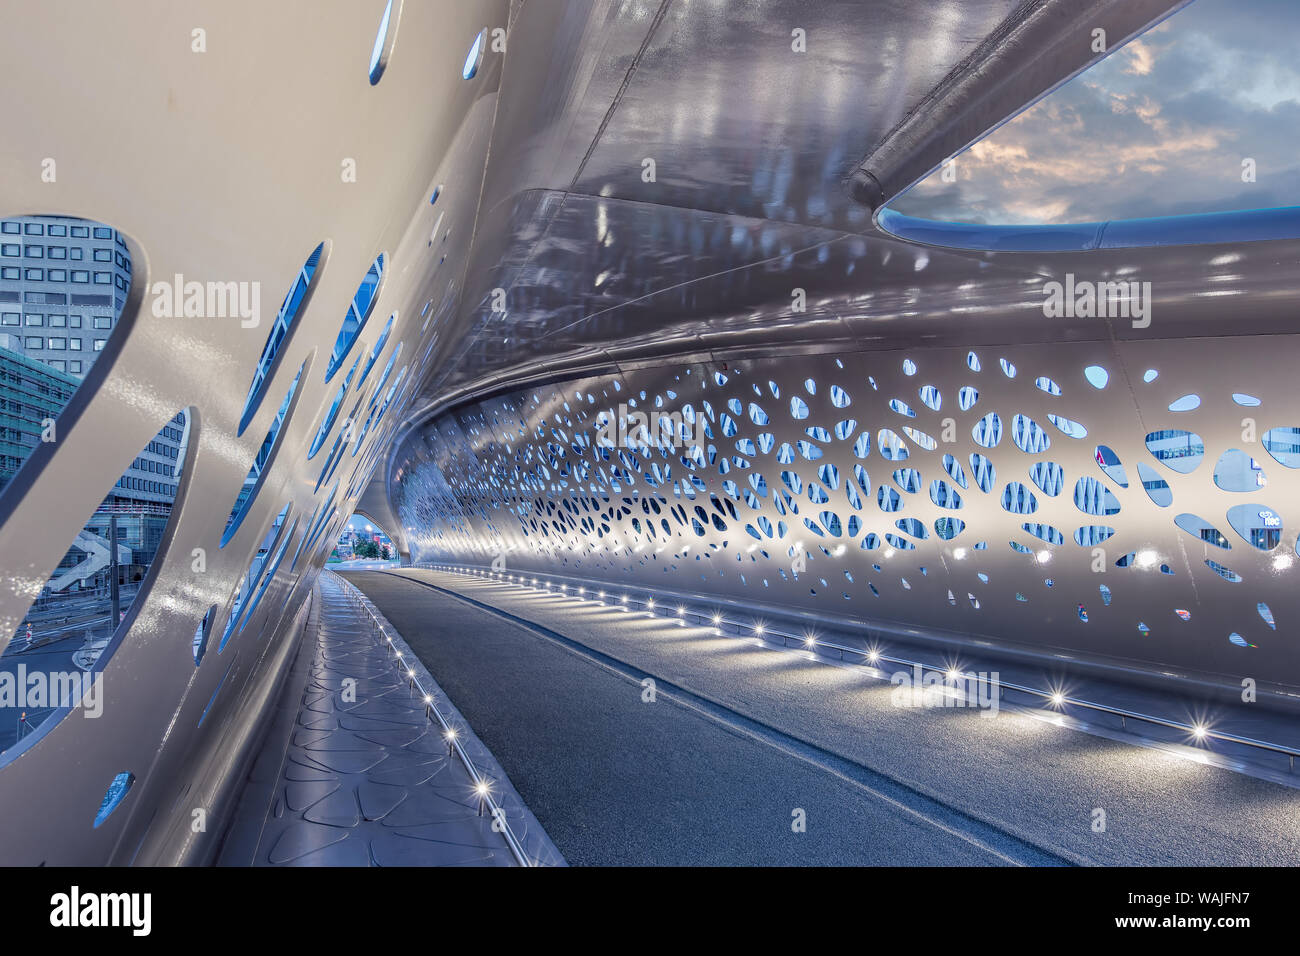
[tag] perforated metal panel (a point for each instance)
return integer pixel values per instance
(1021, 495)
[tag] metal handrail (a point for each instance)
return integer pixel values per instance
(482, 786)
(1055, 698)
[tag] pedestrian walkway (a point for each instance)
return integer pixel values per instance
(364, 773)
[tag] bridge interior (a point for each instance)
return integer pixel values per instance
(843, 433)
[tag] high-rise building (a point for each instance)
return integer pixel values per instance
(63, 283)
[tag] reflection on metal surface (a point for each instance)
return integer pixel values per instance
(538, 271)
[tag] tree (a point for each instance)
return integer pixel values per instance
(383, 552)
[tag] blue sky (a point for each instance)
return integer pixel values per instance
(1160, 127)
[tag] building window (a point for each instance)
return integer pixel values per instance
(80, 232)
(58, 365)
(74, 367)
(34, 229)
(58, 321)
(57, 231)
(34, 252)
(74, 344)
(35, 275)
(10, 272)
(103, 255)
(10, 318)
(34, 342)
(79, 275)
(58, 252)
(103, 232)
(58, 344)
(10, 249)
(34, 318)
(58, 275)
(76, 254)
(103, 322)
(9, 228)
(99, 344)
(103, 278)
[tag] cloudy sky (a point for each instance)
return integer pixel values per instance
(1160, 127)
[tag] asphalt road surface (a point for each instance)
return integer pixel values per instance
(742, 737)
(615, 779)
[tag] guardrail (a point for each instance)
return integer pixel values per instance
(1200, 733)
(482, 786)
